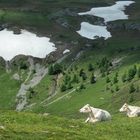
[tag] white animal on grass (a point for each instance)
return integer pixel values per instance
(131, 111)
(95, 114)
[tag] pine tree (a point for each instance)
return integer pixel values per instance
(135, 69)
(124, 78)
(51, 72)
(138, 72)
(69, 86)
(132, 88)
(116, 74)
(112, 91)
(90, 67)
(93, 79)
(63, 88)
(57, 68)
(75, 68)
(132, 73)
(111, 84)
(108, 80)
(117, 88)
(82, 86)
(23, 65)
(75, 79)
(84, 76)
(103, 74)
(81, 72)
(115, 80)
(67, 79)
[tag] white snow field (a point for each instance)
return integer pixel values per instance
(110, 13)
(26, 43)
(93, 31)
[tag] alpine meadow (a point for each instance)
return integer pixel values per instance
(69, 69)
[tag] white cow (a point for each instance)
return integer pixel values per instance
(95, 114)
(131, 111)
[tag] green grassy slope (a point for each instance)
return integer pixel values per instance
(8, 90)
(28, 126)
(115, 48)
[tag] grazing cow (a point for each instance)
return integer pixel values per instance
(95, 114)
(131, 111)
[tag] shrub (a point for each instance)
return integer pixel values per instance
(82, 86)
(107, 88)
(32, 93)
(23, 65)
(55, 69)
(115, 80)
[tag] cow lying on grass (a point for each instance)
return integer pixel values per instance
(131, 111)
(95, 114)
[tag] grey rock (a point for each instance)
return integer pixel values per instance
(16, 30)
(124, 26)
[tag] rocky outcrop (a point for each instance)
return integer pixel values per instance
(124, 26)
(1, 28)
(16, 76)
(62, 13)
(30, 82)
(63, 18)
(16, 30)
(2, 62)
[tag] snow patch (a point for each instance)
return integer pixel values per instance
(26, 43)
(93, 31)
(66, 51)
(110, 13)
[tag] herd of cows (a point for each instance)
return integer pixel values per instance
(98, 115)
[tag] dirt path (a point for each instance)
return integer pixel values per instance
(65, 95)
(58, 99)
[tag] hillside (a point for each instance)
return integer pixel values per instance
(104, 73)
(30, 126)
